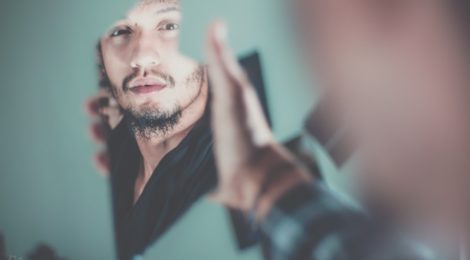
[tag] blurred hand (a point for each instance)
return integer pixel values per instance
(397, 72)
(245, 149)
(106, 115)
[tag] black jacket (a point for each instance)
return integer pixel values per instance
(183, 176)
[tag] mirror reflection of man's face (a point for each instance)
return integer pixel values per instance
(148, 74)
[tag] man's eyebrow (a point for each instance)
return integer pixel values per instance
(158, 12)
(168, 9)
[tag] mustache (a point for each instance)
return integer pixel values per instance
(169, 80)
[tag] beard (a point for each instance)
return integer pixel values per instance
(152, 121)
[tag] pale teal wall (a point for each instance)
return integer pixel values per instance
(49, 189)
(265, 25)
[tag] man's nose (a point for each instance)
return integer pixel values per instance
(145, 54)
(144, 62)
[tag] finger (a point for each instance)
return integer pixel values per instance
(92, 106)
(261, 134)
(232, 89)
(98, 132)
(101, 100)
(219, 197)
(225, 72)
(110, 111)
(102, 163)
(228, 111)
(233, 198)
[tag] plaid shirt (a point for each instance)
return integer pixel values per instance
(310, 223)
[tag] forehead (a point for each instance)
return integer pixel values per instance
(150, 2)
(145, 9)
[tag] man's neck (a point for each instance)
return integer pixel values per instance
(155, 148)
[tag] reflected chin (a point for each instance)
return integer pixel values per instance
(150, 121)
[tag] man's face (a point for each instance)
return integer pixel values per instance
(148, 74)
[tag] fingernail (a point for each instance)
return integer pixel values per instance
(221, 32)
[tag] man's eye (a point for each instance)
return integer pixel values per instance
(170, 27)
(119, 32)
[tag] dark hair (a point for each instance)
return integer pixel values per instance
(103, 79)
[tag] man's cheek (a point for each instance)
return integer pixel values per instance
(172, 44)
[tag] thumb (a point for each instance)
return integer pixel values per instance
(234, 96)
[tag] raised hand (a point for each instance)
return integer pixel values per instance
(105, 115)
(246, 151)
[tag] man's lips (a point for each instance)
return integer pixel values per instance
(146, 85)
(143, 89)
